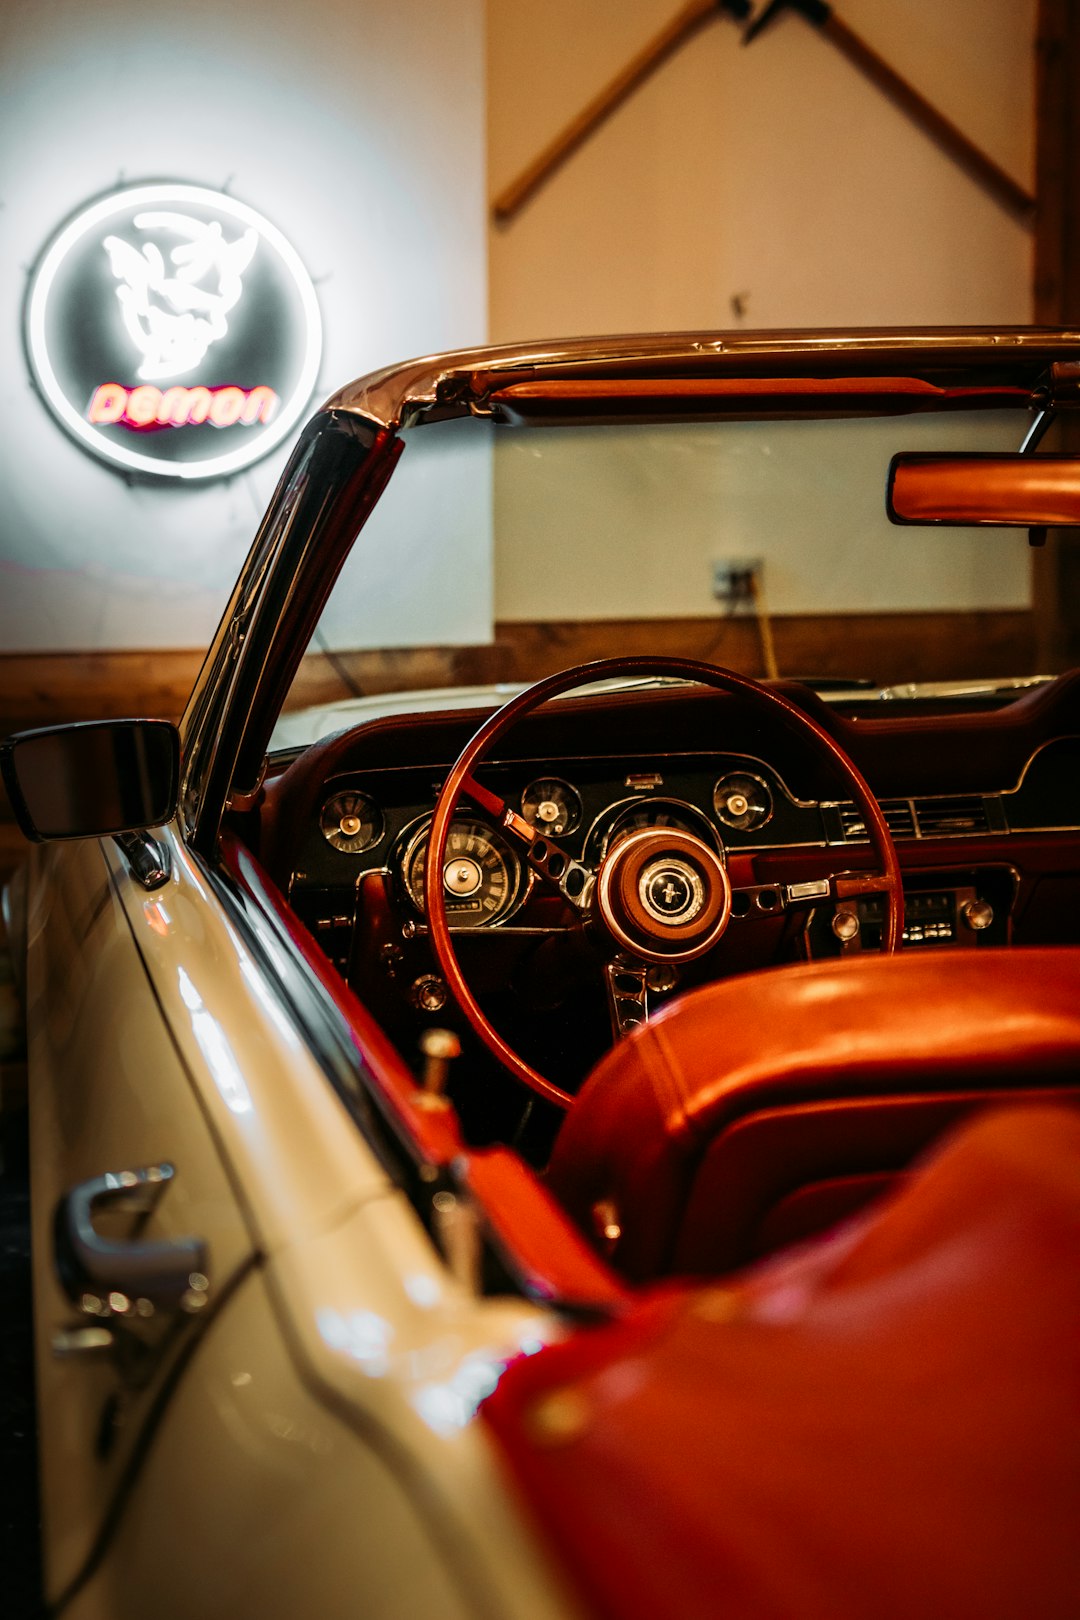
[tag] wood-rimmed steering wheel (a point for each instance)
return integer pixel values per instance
(661, 894)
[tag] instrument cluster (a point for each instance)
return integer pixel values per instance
(380, 821)
(359, 846)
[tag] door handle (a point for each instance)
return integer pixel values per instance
(108, 1277)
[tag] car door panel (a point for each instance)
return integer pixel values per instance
(109, 1094)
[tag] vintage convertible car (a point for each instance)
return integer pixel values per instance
(610, 1151)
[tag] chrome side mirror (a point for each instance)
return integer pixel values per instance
(92, 779)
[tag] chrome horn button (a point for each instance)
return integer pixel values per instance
(671, 891)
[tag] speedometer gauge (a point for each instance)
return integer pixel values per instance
(481, 877)
(351, 822)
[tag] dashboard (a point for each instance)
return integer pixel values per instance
(983, 804)
(974, 857)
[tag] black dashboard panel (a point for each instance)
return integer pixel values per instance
(962, 853)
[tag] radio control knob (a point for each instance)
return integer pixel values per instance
(978, 914)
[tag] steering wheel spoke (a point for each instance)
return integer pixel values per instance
(573, 879)
(497, 809)
(848, 884)
(626, 981)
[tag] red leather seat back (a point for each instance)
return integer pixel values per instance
(768, 1092)
(882, 1425)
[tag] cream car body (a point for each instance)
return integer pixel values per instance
(305, 1442)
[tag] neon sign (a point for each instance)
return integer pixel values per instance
(181, 407)
(173, 331)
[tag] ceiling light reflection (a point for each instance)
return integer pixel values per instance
(214, 1046)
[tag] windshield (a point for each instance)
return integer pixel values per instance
(500, 553)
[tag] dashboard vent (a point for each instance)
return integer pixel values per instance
(951, 818)
(898, 814)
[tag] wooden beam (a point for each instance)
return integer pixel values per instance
(1056, 567)
(38, 689)
(642, 66)
(902, 93)
(1057, 157)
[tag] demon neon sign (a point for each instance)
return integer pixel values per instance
(173, 331)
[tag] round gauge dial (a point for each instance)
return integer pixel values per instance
(551, 806)
(659, 813)
(742, 801)
(351, 822)
(480, 875)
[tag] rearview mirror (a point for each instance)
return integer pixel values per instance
(1011, 491)
(89, 780)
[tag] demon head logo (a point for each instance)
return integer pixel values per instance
(174, 310)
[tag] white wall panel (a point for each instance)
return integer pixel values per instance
(355, 127)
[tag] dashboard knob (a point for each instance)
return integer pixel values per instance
(845, 924)
(429, 993)
(978, 914)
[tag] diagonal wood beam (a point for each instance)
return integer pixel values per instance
(682, 27)
(964, 152)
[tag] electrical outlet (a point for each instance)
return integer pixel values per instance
(731, 580)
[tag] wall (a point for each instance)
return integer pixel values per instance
(357, 128)
(773, 175)
(766, 186)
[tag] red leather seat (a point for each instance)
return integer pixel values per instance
(881, 1425)
(758, 1110)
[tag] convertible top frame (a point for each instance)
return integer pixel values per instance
(471, 381)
